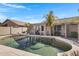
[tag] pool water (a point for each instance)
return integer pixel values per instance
(37, 47)
(9, 42)
(43, 49)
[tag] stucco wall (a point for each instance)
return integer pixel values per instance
(14, 30)
(34, 28)
(72, 28)
(69, 28)
(4, 30)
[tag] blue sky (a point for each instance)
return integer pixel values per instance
(34, 12)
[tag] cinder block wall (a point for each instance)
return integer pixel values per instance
(4, 30)
(12, 30)
(16, 30)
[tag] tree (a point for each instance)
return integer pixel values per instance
(27, 24)
(50, 18)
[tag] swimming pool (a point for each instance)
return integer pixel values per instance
(42, 46)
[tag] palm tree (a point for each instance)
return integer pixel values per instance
(50, 18)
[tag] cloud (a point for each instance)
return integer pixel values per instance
(13, 5)
(16, 6)
(3, 17)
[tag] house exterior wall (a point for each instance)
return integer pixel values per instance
(65, 29)
(44, 30)
(31, 30)
(78, 32)
(34, 28)
(72, 28)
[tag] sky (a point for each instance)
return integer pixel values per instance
(35, 12)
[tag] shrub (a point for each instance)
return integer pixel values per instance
(23, 32)
(57, 33)
(73, 34)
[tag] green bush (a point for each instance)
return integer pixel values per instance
(73, 35)
(57, 33)
(23, 32)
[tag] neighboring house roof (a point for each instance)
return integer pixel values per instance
(15, 22)
(0, 24)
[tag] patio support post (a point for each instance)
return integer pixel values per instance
(65, 30)
(10, 30)
(44, 30)
(34, 30)
(78, 32)
(53, 31)
(22, 29)
(40, 29)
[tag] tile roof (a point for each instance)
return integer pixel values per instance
(20, 23)
(62, 21)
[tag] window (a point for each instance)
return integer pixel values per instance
(42, 28)
(58, 27)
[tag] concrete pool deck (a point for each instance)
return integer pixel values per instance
(74, 51)
(4, 36)
(8, 51)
